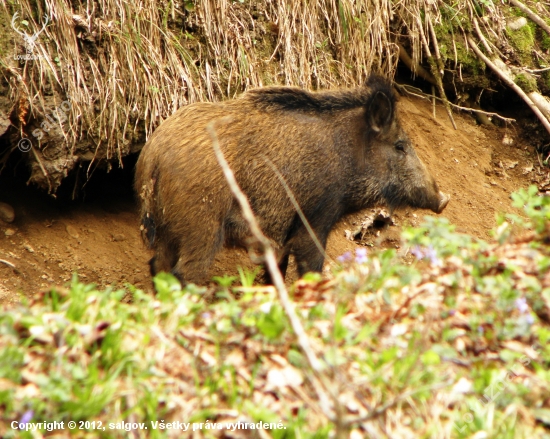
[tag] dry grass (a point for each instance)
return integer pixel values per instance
(126, 66)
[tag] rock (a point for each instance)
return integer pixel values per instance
(119, 237)
(9, 232)
(72, 231)
(507, 140)
(517, 24)
(4, 123)
(7, 213)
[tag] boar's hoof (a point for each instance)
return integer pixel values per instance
(443, 201)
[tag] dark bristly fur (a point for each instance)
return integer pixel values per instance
(297, 99)
(337, 151)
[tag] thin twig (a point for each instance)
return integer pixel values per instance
(433, 101)
(535, 70)
(43, 170)
(8, 263)
(545, 122)
(298, 209)
(433, 36)
(272, 266)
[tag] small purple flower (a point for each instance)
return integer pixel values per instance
(417, 251)
(452, 312)
(361, 255)
(521, 305)
(529, 319)
(26, 418)
(345, 257)
(431, 254)
(480, 330)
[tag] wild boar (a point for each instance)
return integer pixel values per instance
(337, 152)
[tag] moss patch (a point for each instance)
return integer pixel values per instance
(6, 36)
(543, 37)
(523, 40)
(445, 33)
(526, 82)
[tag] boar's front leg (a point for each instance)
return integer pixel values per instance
(283, 265)
(306, 252)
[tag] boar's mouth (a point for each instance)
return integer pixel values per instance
(421, 198)
(443, 201)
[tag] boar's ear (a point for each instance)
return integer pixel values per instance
(380, 112)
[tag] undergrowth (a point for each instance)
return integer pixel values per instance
(449, 342)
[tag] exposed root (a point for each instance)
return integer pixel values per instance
(482, 37)
(435, 67)
(46, 175)
(415, 68)
(419, 93)
(508, 80)
(532, 15)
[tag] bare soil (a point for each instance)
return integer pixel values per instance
(99, 239)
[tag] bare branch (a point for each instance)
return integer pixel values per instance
(481, 36)
(535, 70)
(419, 93)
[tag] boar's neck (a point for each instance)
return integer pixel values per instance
(362, 193)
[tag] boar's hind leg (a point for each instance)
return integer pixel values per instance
(196, 255)
(165, 258)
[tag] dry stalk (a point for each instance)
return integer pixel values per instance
(510, 83)
(481, 36)
(536, 70)
(292, 199)
(419, 93)
(43, 169)
(273, 268)
(437, 57)
(8, 263)
(435, 69)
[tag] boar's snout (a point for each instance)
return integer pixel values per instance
(443, 201)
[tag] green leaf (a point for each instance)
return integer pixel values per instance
(430, 358)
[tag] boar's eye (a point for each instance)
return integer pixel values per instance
(400, 146)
